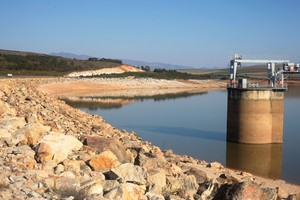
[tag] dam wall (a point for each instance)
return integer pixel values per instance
(255, 115)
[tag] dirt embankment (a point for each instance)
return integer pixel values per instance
(126, 86)
(49, 150)
(114, 70)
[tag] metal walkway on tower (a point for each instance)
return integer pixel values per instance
(275, 77)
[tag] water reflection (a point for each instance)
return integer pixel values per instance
(260, 159)
(293, 91)
(182, 131)
(93, 103)
(115, 102)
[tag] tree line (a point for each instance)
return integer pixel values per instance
(94, 59)
(38, 62)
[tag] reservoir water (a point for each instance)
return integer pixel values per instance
(195, 125)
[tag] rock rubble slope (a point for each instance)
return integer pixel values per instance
(49, 150)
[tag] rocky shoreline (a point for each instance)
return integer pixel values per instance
(50, 150)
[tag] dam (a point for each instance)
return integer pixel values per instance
(255, 112)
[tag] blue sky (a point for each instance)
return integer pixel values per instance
(197, 33)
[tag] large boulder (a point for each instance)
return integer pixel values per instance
(109, 185)
(200, 176)
(66, 186)
(185, 186)
(157, 181)
(103, 161)
(150, 162)
(31, 133)
(128, 173)
(153, 196)
(101, 144)
(249, 190)
(73, 165)
(89, 188)
(12, 123)
(126, 191)
(56, 146)
(4, 133)
(5, 109)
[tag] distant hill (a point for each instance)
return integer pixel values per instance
(135, 63)
(153, 65)
(19, 53)
(71, 55)
(28, 63)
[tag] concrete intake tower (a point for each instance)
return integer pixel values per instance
(255, 112)
(255, 115)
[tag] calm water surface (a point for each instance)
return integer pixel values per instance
(196, 126)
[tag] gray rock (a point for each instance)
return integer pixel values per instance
(31, 133)
(185, 186)
(13, 123)
(149, 162)
(33, 194)
(103, 144)
(66, 187)
(249, 190)
(12, 100)
(4, 133)
(126, 191)
(49, 166)
(152, 196)
(200, 176)
(215, 166)
(108, 185)
(73, 165)
(6, 193)
(89, 188)
(128, 173)
(95, 197)
(156, 181)
(282, 194)
(208, 190)
(56, 146)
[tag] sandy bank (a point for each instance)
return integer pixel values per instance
(127, 87)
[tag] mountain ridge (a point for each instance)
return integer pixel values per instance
(135, 63)
(71, 55)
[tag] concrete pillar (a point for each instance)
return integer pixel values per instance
(269, 74)
(255, 115)
(273, 75)
(235, 64)
(231, 70)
